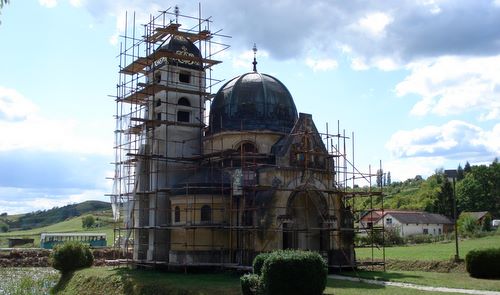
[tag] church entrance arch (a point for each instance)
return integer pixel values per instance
(303, 227)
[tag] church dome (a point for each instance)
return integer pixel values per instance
(182, 46)
(253, 101)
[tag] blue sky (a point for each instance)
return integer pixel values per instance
(416, 81)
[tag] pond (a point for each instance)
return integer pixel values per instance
(27, 280)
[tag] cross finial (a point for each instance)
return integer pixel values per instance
(254, 57)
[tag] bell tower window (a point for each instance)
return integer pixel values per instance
(183, 115)
(185, 77)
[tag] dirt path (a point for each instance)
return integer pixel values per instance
(413, 286)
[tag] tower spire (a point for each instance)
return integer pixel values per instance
(254, 57)
(176, 11)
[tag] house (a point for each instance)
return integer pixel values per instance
(479, 216)
(408, 223)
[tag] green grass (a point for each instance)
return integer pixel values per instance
(433, 251)
(115, 281)
(71, 225)
(433, 279)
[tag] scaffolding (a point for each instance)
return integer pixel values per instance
(157, 222)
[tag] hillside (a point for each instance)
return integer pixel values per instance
(104, 220)
(55, 215)
(477, 188)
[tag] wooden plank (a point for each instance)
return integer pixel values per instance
(141, 96)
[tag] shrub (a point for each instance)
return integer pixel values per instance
(294, 273)
(483, 263)
(88, 221)
(70, 256)
(250, 284)
(486, 224)
(258, 263)
(467, 224)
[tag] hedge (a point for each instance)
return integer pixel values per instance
(71, 256)
(484, 263)
(294, 272)
(250, 284)
(258, 262)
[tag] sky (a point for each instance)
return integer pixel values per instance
(416, 82)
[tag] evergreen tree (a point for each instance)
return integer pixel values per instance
(467, 167)
(460, 172)
(443, 204)
(389, 178)
(380, 174)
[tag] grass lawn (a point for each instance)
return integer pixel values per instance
(434, 279)
(71, 225)
(433, 251)
(114, 281)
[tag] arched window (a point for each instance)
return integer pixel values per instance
(177, 214)
(157, 77)
(247, 147)
(183, 115)
(206, 213)
(184, 102)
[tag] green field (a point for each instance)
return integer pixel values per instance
(72, 225)
(117, 281)
(432, 251)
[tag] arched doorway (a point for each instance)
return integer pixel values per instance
(304, 227)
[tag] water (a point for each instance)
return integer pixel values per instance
(27, 280)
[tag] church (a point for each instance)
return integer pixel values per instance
(212, 180)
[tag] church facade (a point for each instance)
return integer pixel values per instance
(255, 177)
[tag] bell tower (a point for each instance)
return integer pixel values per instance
(161, 98)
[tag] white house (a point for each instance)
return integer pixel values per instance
(409, 223)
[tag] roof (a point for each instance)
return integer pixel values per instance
(71, 234)
(419, 217)
(253, 101)
(477, 215)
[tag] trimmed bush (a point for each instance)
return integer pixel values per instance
(483, 263)
(258, 263)
(294, 273)
(250, 284)
(71, 256)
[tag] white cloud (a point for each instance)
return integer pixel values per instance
(113, 40)
(322, 65)
(244, 59)
(76, 3)
(358, 64)
(13, 105)
(404, 168)
(455, 139)
(375, 23)
(22, 127)
(454, 85)
(48, 3)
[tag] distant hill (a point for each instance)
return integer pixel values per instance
(43, 218)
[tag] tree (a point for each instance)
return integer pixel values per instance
(467, 167)
(4, 228)
(460, 172)
(389, 178)
(476, 191)
(380, 180)
(88, 221)
(443, 204)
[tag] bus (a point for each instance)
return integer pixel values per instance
(94, 240)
